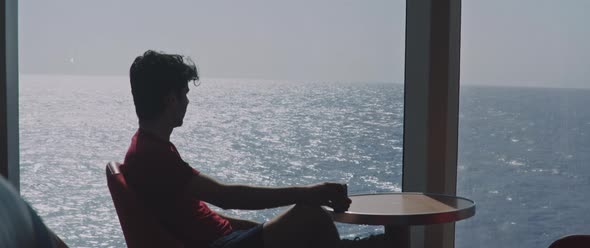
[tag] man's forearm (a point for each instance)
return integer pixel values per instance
(232, 196)
(249, 197)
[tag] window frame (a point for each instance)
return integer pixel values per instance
(9, 130)
(431, 108)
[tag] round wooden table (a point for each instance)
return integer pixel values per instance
(398, 211)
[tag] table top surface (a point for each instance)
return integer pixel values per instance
(405, 208)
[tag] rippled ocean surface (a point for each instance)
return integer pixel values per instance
(277, 133)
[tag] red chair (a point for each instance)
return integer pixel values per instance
(139, 227)
(572, 241)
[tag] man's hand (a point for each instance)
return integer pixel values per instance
(334, 195)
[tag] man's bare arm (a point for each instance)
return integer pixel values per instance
(232, 196)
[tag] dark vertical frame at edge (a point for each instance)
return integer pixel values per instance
(431, 103)
(9, 130)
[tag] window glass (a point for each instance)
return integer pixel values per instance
(524, 124)
(291, 93)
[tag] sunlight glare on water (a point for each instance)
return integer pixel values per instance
(268, 133)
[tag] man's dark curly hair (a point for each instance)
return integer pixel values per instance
(153, 76)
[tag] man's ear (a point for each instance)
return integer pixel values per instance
(171, 98)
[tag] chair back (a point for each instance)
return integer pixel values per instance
(139, 227)
(572, 241)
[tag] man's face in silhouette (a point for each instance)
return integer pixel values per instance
(180, 106)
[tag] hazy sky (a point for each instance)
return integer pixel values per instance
(517, 42)
(526, 42)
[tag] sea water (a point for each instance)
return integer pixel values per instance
(523, 152)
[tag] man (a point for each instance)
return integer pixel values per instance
(176, 193)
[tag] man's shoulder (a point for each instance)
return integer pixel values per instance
(145, 146)
(147, 153)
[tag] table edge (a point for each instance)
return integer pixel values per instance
(410, 219)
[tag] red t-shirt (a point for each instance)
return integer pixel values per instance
(154, 170)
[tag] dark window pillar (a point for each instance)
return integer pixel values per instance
(9, 148)
(431, 105)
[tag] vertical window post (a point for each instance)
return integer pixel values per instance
(431, 106)
(9, 148)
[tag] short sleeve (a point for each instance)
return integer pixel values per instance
(158, 177)
(168, 175)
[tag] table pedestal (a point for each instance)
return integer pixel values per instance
(397, 236)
